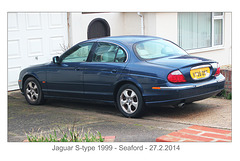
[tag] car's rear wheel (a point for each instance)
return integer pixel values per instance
(129, 101)
(33, 91)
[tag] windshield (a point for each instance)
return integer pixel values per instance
(152, 49)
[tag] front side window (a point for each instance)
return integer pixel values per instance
(200, 30)
(78, 53)
(159, 48)
(106, 52)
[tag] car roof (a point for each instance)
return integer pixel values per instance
(126, 40)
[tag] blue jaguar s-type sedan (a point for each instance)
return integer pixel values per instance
(131, 72)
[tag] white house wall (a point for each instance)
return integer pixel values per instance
(79, 24)
(166, 25)
(131, 24)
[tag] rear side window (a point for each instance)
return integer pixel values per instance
(106, 52)
(121, 56)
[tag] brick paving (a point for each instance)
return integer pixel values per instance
(197, 133)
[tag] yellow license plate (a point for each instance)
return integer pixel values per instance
(200, 73)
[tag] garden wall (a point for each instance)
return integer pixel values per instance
(227, 72)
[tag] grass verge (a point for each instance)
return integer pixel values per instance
(71, 136)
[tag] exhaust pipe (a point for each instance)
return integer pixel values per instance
(180, 105)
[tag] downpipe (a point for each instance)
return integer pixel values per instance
(142, 23)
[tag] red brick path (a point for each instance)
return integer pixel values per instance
(109, 138)
(197, 133)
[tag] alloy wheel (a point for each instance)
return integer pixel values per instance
(32, 91)
(129, 101)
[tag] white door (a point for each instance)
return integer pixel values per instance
(34, 38)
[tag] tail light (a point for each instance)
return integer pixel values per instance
(218, 70)
(176, 77)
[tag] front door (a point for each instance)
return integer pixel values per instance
(66, 78)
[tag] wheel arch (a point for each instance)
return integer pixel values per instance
(25, 77)
(123, 82)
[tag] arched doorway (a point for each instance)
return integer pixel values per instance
(98, 28)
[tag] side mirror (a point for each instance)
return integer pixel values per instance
(56, 60)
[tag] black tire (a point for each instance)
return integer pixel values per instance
(129, 101)
(33, 92)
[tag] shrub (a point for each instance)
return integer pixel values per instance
(225, 94)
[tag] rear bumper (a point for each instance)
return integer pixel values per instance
(187, 93)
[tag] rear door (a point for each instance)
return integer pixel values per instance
(107, 63)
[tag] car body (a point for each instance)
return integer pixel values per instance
(131, 72)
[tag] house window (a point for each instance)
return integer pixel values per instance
(218, 28)
(200, 30)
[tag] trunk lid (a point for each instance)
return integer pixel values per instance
(187, 64)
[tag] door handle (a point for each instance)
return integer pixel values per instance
(114, 71)
(77, 69)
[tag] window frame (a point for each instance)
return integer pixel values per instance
(212, 47)
(220, 17)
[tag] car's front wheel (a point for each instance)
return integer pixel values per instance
(33, 91)
(129, 101)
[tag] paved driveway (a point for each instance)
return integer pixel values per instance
(57, 114)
